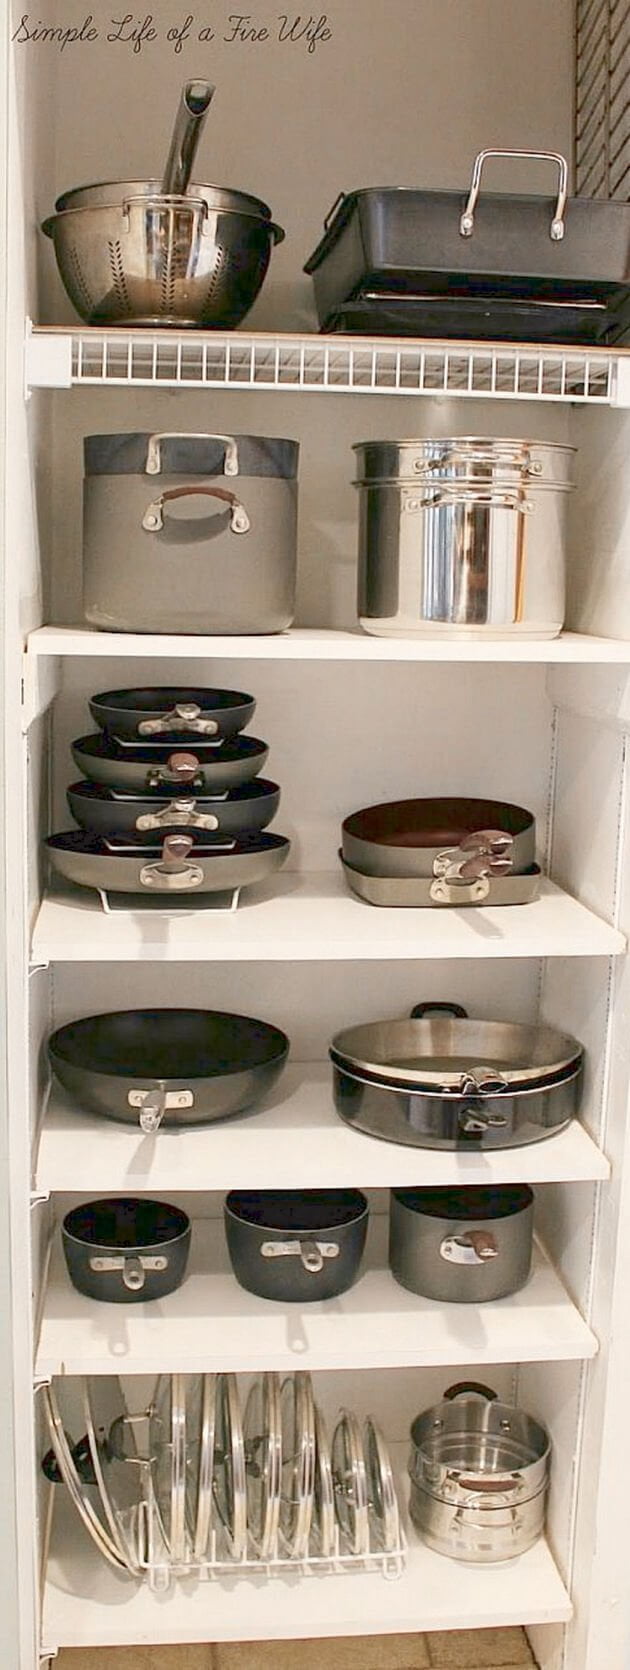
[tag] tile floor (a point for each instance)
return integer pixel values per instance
(481, 1649)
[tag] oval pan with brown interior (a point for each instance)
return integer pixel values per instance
(404, 837)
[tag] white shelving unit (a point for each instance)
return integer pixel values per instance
(315, 919)
(85, 1602)
(211, 1323)
(297, 1131)
(345, 714)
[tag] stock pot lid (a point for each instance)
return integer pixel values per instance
(190, 455)
(440, 1054)
(470, 458)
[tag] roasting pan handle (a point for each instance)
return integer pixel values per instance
(557, 228)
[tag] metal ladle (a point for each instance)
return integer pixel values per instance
(194, 104)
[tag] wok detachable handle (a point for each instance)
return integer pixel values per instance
(311, 1253)
(153, 464)
(455, 1010)
(154, 1102)
(180, 768)
(171, 873)
(196, 98)
(184, 716)
(476, 1246)
(178, 814)
(153, 519)
(556, 230)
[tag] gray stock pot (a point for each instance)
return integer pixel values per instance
(190, 532)
(441, 1080)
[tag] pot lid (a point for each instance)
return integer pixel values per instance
(465, 1057)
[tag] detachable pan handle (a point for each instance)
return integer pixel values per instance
(556, 230)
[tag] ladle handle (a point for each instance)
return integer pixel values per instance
(192, 111)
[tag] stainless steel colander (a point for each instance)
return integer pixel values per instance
(132, 252)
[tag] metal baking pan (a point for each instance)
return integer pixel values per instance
(466, 317)
(449, 246)
(415, 892)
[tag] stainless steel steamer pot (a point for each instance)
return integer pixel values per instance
(462, 537)
(479, 1473)
(189, 533)
(462, 1245)
(450, 1082)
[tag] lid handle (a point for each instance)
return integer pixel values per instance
(455, 1010)
(556, 230)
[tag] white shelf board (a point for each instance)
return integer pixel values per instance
(296, 1140)
(313, 918)
(63, 357)
(319, 644)
(210, 1324)
(87, 1604)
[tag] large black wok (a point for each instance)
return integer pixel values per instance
(167, 1066)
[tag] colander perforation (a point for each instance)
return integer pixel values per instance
(118, 274)
(79, 280)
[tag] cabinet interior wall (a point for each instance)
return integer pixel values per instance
(346, 735)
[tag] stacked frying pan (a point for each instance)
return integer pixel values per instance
(451, 851)
(171, 802)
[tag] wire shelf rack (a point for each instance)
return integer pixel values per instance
(317, 364)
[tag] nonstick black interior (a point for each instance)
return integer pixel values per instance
(305, 1210)
(99, 746)
(469, 1204)
(136, 842)
(126, 1222)
(260, 788)
(159, 699)
(167, 1043)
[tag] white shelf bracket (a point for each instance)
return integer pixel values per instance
(39, 1197)
(38, 968)
(47, 1654)
(40, 1382)
(47, 360)
(620, 394)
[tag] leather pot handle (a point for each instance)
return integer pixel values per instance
(153, 519)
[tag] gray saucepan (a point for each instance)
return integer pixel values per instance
(245, 810)
(167, 866)
(126, 1250)
(295, 1246)
(177, 712)
(450, 1082)
(202, 765)
(462, 1245)
(149, 1067)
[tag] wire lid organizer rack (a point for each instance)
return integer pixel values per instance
(190, 1486)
